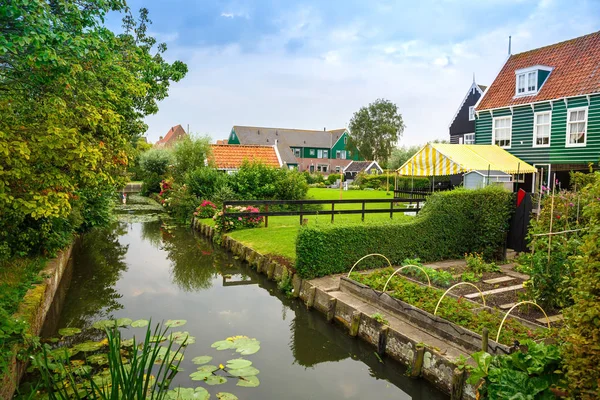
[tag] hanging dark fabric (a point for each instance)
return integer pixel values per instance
(519, 223)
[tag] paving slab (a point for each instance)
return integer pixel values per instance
(508, 270)
(494, 291)
(446, 264)
(499, 280)
(553, 318)
(507, 305)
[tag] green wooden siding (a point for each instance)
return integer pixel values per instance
(542, 75)
(233, 138)
(306, 152)
(351, 154)
(557, 153)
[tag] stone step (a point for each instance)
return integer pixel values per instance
(494, 291)
(507, 306)
(552, 318)
(499, 280)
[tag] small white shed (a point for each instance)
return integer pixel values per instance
(477, 179)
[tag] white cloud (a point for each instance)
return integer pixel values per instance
(227, 85)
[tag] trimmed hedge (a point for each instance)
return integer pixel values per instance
(381, 181)
(451, 224)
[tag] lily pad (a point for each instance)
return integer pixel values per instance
(246, 346)
(88, 346)
(164, 354)
(140, 323)
(200, 375)
(248, 381)
(103, 324)
(208, 368)
(201, 360)
(223, 345)
(99, 359)
(173, 323)
(68, 331)
(198, 393)
(238, 363)
(226, 396)
(215, 380)
(245, 372)
(181, 337)
(82, 370)
(127, 343)
(156, 339)
(123, 322)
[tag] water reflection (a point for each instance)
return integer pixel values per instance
(153, 270)
(94, 295)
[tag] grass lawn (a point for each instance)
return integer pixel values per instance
(280, 237)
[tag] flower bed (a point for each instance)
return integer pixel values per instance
(206, 209)
(226, 222)
(462, 312)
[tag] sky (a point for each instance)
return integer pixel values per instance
(312, 64)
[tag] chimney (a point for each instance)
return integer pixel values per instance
(509, 45)
(324, 129)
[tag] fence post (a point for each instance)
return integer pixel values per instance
(266, 216)
(332, 209)
(301, 213)
(391, 209)
(363, 211)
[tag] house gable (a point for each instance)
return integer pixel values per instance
(463, 120)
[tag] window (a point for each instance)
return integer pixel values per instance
(312, 152)
(502, 131)
(297, 152)
(527, 83)
(472, 113)
(345, 139)
(541, 129)
(469, 138)
(576, 126)
(337, 169)
(322, 167)
(341, 154)
(322, 154)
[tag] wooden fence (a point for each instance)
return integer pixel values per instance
(264, 210)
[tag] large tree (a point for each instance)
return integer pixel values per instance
(376, 129)
(73, 96)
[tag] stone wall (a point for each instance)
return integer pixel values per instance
(33, 310)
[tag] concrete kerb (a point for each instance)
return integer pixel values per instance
(33, 310)
(436, 368)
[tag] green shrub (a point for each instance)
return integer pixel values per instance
(332, 178)
(204, 182)
(154, 165)
(581, 352)
(381, 181)
(313, 178)
(451, 224)
(256, 181)
(477, 265)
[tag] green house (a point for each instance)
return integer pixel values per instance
(323, 151)
(544, 108)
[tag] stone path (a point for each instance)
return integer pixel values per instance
(499, 280)
(552, 318)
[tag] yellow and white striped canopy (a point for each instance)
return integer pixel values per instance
(436, 159)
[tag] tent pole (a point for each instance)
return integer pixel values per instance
(488, 177)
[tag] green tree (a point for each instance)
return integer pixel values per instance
(376, 129)
(400, 155)
(72, 100)
(190, 154)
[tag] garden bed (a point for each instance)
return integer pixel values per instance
(468, 315)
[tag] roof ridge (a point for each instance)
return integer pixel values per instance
(290, 129)
(556, 44)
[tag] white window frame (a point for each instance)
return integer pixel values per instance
(535, 126)
(345, 139)
(322, 153)
(526, 90)
(509, 132)
(469, 140)
(299, 150)
(568, 135)
(312, 152)
(472, 113)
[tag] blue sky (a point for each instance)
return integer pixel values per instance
(312, 64)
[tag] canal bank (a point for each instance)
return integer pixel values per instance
(426, 355)
(143, 269)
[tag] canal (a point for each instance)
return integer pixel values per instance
(143, 268)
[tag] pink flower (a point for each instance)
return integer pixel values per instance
(239, 218)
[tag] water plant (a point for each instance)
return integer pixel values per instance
(380, 318)
(116, 368)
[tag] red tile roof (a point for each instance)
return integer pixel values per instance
(230, 156)
(576, 72)
(174, 134)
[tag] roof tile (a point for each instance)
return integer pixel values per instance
(576, 72)
(227, 156)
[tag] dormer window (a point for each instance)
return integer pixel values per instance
(530, 80)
